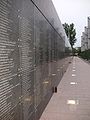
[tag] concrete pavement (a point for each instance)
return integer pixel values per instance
(72, 100)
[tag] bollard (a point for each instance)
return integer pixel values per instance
(54, 89)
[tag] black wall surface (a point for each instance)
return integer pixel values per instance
(34, 54)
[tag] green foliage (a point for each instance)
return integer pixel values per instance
(66, 27)
(79, 50)
(85, 54)
(76, 51)
(71, 33)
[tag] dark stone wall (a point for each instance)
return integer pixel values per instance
(32, 57)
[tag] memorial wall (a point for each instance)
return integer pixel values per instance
(34, 54)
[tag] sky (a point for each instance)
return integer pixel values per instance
(74, 11)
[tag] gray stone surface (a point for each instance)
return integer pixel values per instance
(72, 101)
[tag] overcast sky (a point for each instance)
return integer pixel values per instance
(74, 11)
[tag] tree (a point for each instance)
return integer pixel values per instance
(71, 33)
(79, 50)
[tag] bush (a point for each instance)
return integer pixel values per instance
(85, 54)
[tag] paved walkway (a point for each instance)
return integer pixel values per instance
(72, 101)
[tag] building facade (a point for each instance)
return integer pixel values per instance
(88, 32)
(85, 38)
(34, 54)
